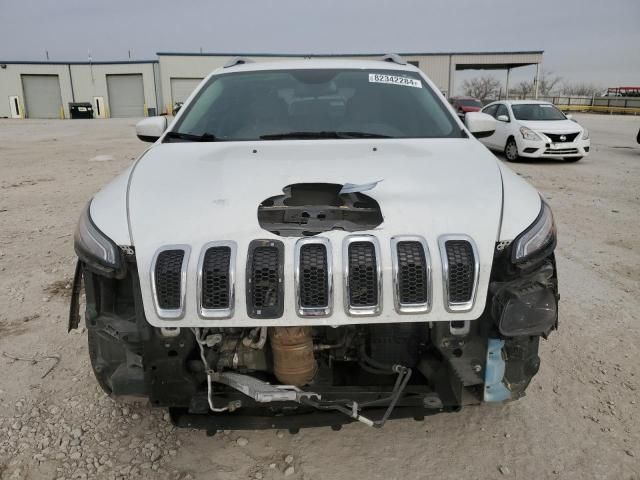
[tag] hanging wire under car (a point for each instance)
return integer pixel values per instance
(202, 341)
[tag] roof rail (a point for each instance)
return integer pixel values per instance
(237, 61)
(393, 57)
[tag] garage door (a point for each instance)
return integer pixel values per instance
(126, 95)
(181, 88)
(42, 98)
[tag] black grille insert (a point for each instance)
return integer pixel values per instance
(557, 137)
(265, 279)
(412, 273)
(168, 276)
(461, 264)
(363, 275)
(215, 278)
(313, 279)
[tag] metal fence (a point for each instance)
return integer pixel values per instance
(629, 105)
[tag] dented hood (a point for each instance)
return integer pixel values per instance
(195, 193)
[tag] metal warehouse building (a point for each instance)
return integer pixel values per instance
(142, 88)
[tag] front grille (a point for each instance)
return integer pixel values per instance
(568, 137)
(363, 275)
(313, 276)
(265, 279)
(412, 273)
(216, 283)
(560, 151)
(461, 271)
(168, 279)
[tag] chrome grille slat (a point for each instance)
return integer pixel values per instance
(313, 277)
(169, 280)
(216, 280)
(460, 271)
(362, 275)
(265, 279)
(411, 264)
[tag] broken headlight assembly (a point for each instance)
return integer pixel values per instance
(95, 249)
(537, 241)
(527, 307)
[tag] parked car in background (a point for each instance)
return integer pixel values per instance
(535, 129)
(465, 104)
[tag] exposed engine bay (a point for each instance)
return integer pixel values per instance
(294, 377)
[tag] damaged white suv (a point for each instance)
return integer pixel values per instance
(316, 242)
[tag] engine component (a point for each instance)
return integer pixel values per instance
(235, 354)
(396, 343)
(293, 360)
(260, 391)
(310, 208)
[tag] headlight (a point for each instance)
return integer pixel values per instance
(529, 134)
(585, 134)
(96, 249)
(539, 238)
(527, 307)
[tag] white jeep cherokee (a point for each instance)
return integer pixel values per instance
(316, 242)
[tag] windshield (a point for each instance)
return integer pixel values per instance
(536, 111)
(470, 103)
(314, 103)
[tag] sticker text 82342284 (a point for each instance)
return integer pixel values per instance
(394, 80)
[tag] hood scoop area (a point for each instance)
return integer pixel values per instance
(307, 209)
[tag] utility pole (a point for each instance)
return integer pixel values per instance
(507, 86)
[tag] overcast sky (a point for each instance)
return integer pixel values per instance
(592, 41)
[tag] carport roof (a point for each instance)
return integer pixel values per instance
(408, 54)
(44, 62)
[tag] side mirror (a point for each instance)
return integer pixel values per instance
(503, 118)
(569, 116)
(151, 129)
(480, 124)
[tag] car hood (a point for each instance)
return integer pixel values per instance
(195, 193)
(552, 126)
(470, 109)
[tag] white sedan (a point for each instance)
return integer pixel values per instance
(535, 129)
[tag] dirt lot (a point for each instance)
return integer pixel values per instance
(580, 420)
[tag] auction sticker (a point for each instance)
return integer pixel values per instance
(394, 80)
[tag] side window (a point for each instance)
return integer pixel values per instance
(502, 110)
(490, 110)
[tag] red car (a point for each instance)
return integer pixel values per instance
(465, 104)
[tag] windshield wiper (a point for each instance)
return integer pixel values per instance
(205, 137)
(304, 135)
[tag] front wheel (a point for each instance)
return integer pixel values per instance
(511, 150)
(572, 159)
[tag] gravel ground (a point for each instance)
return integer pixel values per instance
(580, 419)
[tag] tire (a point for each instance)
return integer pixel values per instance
(511, 150)
(573, 159)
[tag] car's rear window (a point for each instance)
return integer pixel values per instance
(252, 105)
